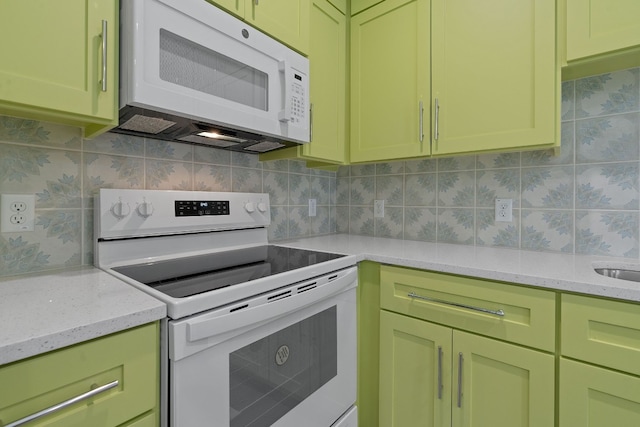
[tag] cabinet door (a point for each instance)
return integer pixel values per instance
(600, 26)
(358, 6)
(597, 397)
(235, 7)
(390, 80)
(415, 372)
(285, 20)
(52, 65)
(494, 75)
(501, 385)
(327, 59)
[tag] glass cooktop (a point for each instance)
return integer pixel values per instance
(184, 277)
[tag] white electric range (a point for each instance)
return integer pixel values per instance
(256, 334)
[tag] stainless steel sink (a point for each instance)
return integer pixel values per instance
(620, 273)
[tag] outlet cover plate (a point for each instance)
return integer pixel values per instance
(504, 210)
(378, 208)
(312, 207)
(17, 212)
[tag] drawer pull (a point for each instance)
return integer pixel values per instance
(62, 405)
(455, 304)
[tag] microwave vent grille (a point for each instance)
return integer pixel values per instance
(153, 125)
(264, 146)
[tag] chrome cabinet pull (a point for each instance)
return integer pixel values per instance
(500, 312)
(63, 405)
(440, 384)
(104, 55)
(436, 132)
(460, 360)
(421, 121)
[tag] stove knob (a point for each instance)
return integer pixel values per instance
(249, 207)
(120, 209)
(145, 209)
(262, 207)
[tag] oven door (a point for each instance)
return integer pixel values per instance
(295, 368)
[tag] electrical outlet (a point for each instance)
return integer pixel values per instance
(312, 207)
(378, 208)
(504, 210)
(17, 212)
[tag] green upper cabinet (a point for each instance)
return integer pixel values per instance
(285, 20)
(328, 83)
(442, 78)
(236, 7)
(328, 89)
(494, 75)
(601, 36)
(341, 5)
(390, 81)
(358, 6)
(56, 57)
(595, 27)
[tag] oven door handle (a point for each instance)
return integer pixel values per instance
(203, 327)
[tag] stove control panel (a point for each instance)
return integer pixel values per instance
(202, 207)
(122, 213)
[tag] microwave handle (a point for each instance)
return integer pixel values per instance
(285, 114)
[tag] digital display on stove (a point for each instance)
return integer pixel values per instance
(202, 207)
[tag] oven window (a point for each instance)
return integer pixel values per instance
(269, 377)
(196, 67)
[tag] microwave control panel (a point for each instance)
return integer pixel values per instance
(298, 101)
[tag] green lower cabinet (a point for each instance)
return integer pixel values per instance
(124, 365)
(501, 384)
(432, 375)
(597, 397)
(415, 359)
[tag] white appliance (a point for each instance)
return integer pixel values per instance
(257, 334)
(191, 72)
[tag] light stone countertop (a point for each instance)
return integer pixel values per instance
(44, 312)
(564, 272)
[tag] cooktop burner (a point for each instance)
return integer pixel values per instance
(194, 275)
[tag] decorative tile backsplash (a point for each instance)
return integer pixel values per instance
(63, 171)
(586, 200)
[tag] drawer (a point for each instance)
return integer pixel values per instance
(149, 420)
(472, 304)
(600, 331)
(131, 358)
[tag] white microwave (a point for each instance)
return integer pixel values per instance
(191, 72)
